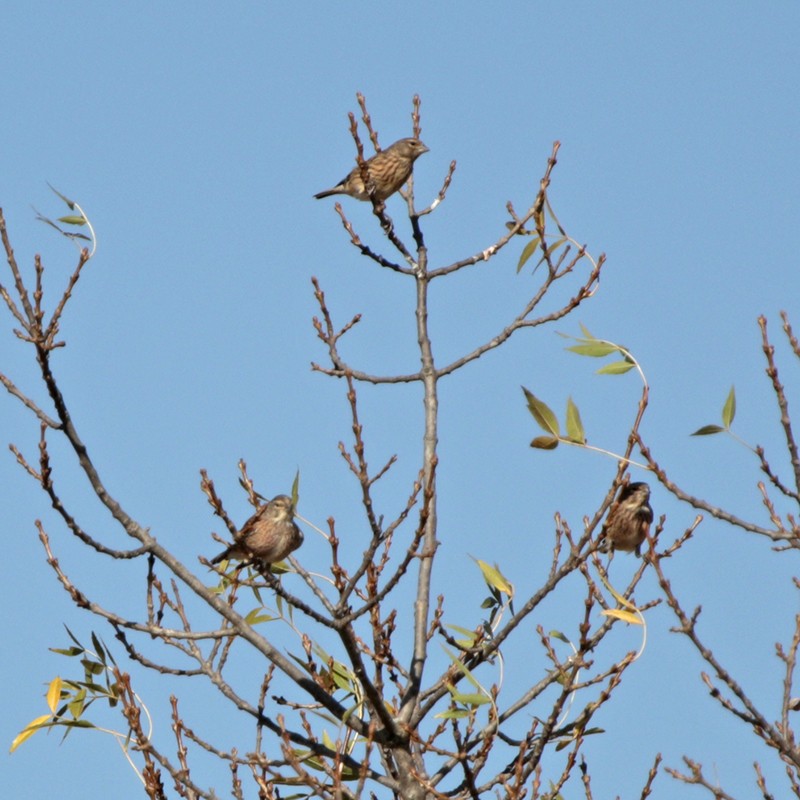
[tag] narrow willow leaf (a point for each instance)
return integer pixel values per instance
(462, 669)
(560, 746)
(558, 635)
(91, 667)
(470, 699)
(544, 443)
(453, 713)
(69, 632)
(68, 651)
(67, 201)
(625, 616)
(468, 636)
(552, 248)
(729, 409)
(575, 429)
(554, 217)
(98, 648)
(255, 617)
(615, 368)
(76, 708)
(707, 430)
(74, 723)
(542, 413)
(585, 331)
(296, 489)
(54, 693)
(616, 595)
(29, 730)
(527, 252)
(495, 578)
(72, 220)
(342, 677)
(594, 349)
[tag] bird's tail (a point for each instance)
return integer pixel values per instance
(327, 193)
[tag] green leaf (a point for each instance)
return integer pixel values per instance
(342, 677)
(91, 667)
(68, 651)
(462, 669)
(69, 632)
(76, 707)
(470, 699)
(729, 409)
(98, 648)
(551, 249)
(296, 489)
(255, 617)
(707, 430)
(575, 429)
(67, 201)
(585, 331)
(594, 349)
(453, 713)
(615, 368)
(72, 220)
(544, 443)
(76, 723)
(468, 639)
(527, 252)
(542, 413)
(558, 635)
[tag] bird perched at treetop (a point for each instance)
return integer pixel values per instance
(388, 171)
(269, 535)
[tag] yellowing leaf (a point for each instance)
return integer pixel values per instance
(54, 694)
(29, 730)
(625, 616)
(495, 578)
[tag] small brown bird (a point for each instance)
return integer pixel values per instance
(388, 171)
(628, 521)
(270, 534)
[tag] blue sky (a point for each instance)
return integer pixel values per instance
(194, 136)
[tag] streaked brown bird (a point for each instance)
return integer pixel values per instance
(388, 171)
(628, 520)
(270, 534)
